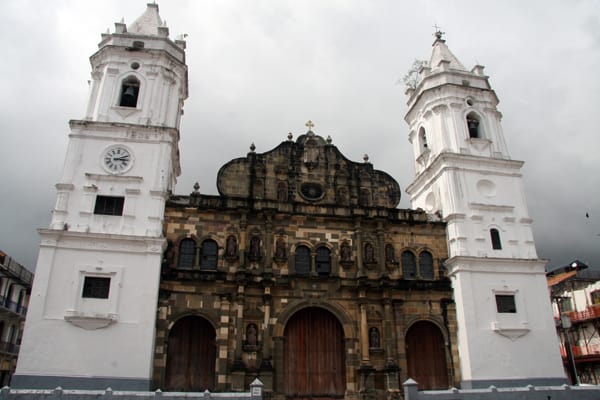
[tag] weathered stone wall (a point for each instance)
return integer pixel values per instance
(260, 286)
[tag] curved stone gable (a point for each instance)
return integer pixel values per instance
(309, 170)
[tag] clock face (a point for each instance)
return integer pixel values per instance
(117, 159)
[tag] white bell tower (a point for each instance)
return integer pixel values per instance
(92, 313)
(464, 174)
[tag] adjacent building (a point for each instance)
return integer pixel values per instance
(575, 294)
(15, 288)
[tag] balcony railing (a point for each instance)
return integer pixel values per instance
(589, 313)
(581, 351)
(9, 348)
(12, 306)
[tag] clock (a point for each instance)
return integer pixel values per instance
(117, 159)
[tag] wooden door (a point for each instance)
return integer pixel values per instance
(314, 362)
(191, 356)
(426, 356)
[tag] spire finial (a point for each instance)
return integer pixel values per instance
(438, 32)
(309, 125)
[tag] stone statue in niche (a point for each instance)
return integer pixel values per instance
(345, 252)
(342, 197)
(280, 248)
(254, 247)
(364, 198)
(231, 247)
(390, 257)
(251, 335)
(374, 341)
(369, 253)
(311, 154)
(282, 191)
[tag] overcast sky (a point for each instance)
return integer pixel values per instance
(260, 69)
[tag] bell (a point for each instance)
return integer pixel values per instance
(129, 98)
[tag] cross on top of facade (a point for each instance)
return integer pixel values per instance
(438, 31)
(309, 125)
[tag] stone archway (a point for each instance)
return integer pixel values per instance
(314, 356)
(191, 355)
(426, 356)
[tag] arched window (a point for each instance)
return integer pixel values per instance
(422, 140)
(495, 235)
(130, 89)
(323, 260)
(208, 255)
(409, 265)
(473, 125)
(302, 260)
(426, 265)
(187, 252)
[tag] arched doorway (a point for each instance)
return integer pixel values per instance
(426, 356)
(191, 356)
(314, 361)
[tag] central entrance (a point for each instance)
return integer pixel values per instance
(314, 362)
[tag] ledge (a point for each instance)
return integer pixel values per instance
(90, 323)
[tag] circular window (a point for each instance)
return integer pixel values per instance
(470, 102)
(312, 191)
(135, 65)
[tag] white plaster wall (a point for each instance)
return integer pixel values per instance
(163, 83)
(144, 186)
(53, 346)
(66, 334)
(474, 186)
(504, 345)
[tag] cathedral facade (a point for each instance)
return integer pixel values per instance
(302, 271)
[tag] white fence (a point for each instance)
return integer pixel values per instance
(565, 392)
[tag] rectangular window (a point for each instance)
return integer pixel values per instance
(566, 304)
(109, 205)
(505, 303)
(95, 287)
(596, 297)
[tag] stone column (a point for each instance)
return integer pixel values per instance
(278, 348)
(364, 331)
(381, 248)
(222, 341)
(387, 329)
(268, 265)
(238, 372)
(266, 342)
(266, 366)
(239, 325)
(391, 362)
(358, 247)
(243, 240)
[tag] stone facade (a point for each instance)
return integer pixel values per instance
(270, 206)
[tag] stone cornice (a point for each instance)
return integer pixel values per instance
(457, 264)
(101, 241)
(466, 162)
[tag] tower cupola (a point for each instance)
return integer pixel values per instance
(139, 74)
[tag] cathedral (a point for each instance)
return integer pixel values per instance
(302, 272)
